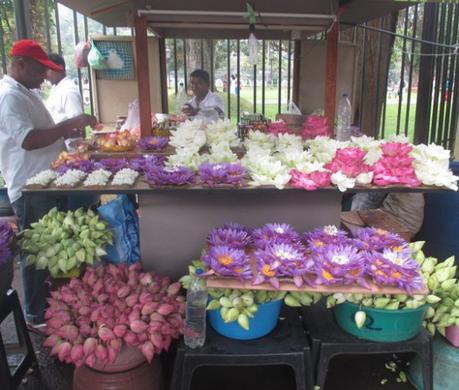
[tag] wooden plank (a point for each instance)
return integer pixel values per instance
(330, 75)
(143, 79)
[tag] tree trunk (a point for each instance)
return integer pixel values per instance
(373, 69)
(199, 54)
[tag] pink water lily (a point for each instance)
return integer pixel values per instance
(279, 127)
(314, 126)
(350, 161)
(310, 181)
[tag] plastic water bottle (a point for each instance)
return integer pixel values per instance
(180, 99)
(196, 302)
(344, 119)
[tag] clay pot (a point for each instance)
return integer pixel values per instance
(129, 371)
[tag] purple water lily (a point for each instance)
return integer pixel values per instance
(5, 234)
(328, 235)
(140, 164)
(153, 143)
(340, 264)
(373, 239)
(394, 267)
(228, 261)
(161, 176)
(82, 165)
(275, 233)
(236, 226)
(234, 238)
(221, 173)
(111, 164)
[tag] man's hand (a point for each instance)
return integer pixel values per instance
(74, 127)
(189, 110)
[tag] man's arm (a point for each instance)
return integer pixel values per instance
(70, 128)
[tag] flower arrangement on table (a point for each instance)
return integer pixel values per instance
(90, 319)
(153, 143)
(118, 141)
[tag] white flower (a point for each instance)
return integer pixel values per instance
(398, 138)
(99, 177)
(323, 149)
(292, 156)
(184, 157)
(70, 178)
(222, 131)
(342, 181)
(189, 135)
(42, 178)
(289, 141)
(263, 140)
(125, 176)
(267, 172)
(371, 146)
(364, 178)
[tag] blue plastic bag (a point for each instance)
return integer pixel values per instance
(123, 222)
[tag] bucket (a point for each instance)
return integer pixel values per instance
(381, 325)
(441, 222)
(263, 322)
(445, 364)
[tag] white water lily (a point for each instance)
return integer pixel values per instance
(364, 178)
(267, 172)
(189, 135)
(323, 149)
(263, 140)
(42, 178)
(222, 131)
(221, 152)
(99, 177)
(342, 181)
(371, 146)
(185, 157)
(398, 138)
(125, 176)
(289, 141)
(70, 178)
(292, 156)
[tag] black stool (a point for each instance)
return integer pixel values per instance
(329, 340)
(286, 345)
(10, 381)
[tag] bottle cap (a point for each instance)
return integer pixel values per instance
(345, 94)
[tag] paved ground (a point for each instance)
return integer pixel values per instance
(347, 373)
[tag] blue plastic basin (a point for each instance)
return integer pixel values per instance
(263, 322)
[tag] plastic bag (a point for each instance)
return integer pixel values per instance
(123, 222)
(132, 122)
(293, 108)
(95, 58)
(80, 54)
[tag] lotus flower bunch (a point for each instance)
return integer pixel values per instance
(373, 239)
(189, 135)
(111, 164)
(140, 164)
(260, 139)
(221, 173)
(231, 235)
(395, 166)
(185, 157)
(162, 176)
(222, 132)
(315, 126)
(70, 178)
(275, 233)
(322, 237)
(99, 177)
(125, 177)
(323, 149)
(43, 178)
(310, 181)
(5, 235)
(80, 164)
(89, 320)
(153, 143)
(219, 153)
(227, 261)
(279, 127)
(369, 145)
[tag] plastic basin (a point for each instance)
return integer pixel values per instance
(263, 322)
(380, 324)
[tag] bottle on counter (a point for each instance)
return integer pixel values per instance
(180, 99)
(343, 119)
(196, 303)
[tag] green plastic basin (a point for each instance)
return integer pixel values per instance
(381, 324)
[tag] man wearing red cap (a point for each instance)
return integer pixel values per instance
(29, 142)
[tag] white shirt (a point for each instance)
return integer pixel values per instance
(211, 107)
(64, 101)
(21, 111)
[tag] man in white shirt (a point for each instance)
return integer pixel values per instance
(29, 142)
(205, 104)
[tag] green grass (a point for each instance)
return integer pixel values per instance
(391, 120)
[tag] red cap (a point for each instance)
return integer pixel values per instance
(32, 49)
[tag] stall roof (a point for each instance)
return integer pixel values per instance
(288, 19)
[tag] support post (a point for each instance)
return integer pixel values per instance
(143, 79)
(296, 73)
(330, 75)
(163, 75)
(22, 19)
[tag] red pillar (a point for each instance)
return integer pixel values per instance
(330, 75)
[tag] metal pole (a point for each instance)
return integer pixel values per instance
(289, 65)
(381, 20)
(22, 19)
(238, 80)
(402, 75)
(2, 47)
(279, 77)
(58, 27)
(228, 72)
(175, 67)
(75, 31)
(410, 77)
(363, 77)
(185, 74)
(48, 29)
(91, 103)
(254, 88)
(263, 71)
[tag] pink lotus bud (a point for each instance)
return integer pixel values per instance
(102, 298)
(133, 280)
(149, 308)
(120, 330)
(75, 284)
(49, 313)
(92, 279)
(134, 315)
(166, 329)
(90, 360)
(145, 297)
(116, 344)
(148, 351)
(131, 300)
(100, 271)
(142, 337)
(51, 341)
(138, 326)
(89, 346)
(76, 353)
(56, 295)
(101, 353)
(123, 292)
(98, 286)
(166, 309)
(123, 319)
(105, 334)
(157, 317)
(165, 281)
(174, 288)
(64, 316)
(55, 348)
(157, 341)
(136, 267)
(68, 332)
(146, 279)
(78, 363)
(56, 305)
(155, 326)
(95, 314)
(63, 350)
(85, 330)
(114, 271)
(154, 288)
(83, 321)
(130, 338)
(84, 310)
(112, 354)
(119, 304)
(180, 298)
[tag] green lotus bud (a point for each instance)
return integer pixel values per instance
(432, 299)
(42, 263)
(428, 266)
(381, 302)
(392, 305)
(433, 283)
(253, 308)
(451, 320)
(316, 297)
(260, 296)
(247, 299)
(447, 301)
(243, 321)
(419, 257)
(443, 322)
(296, 294)
(367, 302)
(455, 312)
(401, 297)
(441, 330)
(247, 313)
(359, 318)
(431, 328)
(81, 255)
(291, 301)
(448, 284)
(227, 292)
(456, 303)
(430, 312)
(224, 312)
(62, 265)
(306, 300)
(213, 305)
(186, 281)
(30, 259)
(442, 274)
(237, 302)
(71, 263)
(457, 321)
(215, 292)
(280, 295)
(225, 302)
(331, 301)
(191, 270)
(232, 315)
